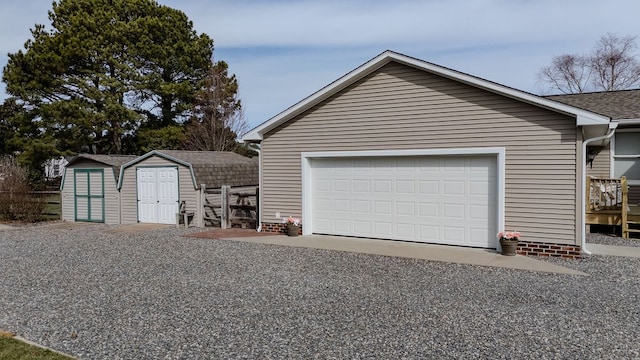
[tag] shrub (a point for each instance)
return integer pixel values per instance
(17, 201)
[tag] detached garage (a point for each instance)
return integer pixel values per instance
(403, 149)
(153, 185)
(88, 188)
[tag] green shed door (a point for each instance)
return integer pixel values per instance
(89, 194)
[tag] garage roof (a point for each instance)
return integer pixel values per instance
(583, 117)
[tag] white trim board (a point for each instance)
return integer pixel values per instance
(306, 158)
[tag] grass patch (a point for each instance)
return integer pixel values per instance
(13, 349)
(53, 209)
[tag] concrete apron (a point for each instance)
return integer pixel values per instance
(610, 250)
(452, 254)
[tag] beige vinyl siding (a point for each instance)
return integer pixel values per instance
(111, 194)
(399, 107)
(129, 190)
(601, 164)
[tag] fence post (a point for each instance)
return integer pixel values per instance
(226, 197)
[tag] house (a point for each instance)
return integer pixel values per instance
(153, 185)
(54, 167)
(88, 188)
(403, 149)
(620, 156)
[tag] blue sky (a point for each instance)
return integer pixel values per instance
(284, 50)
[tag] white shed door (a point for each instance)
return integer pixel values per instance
(157, 195)
(434, 199)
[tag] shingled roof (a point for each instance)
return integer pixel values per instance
(217, 168)
(622, 104)
(211, 168)
(115, 161)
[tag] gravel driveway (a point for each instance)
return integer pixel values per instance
(98, 294)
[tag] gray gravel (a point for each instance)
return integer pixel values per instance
(158, 295)
(611, 239)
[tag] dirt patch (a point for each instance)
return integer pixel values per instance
(230, 233)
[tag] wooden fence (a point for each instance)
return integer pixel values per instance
(228, 207)
(31, 205)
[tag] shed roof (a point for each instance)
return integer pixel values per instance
(618, 105)
(211, 168)
(115, 161)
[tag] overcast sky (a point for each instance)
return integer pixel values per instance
(284, 50)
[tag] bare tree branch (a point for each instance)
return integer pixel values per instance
(611, 66)
(613, 63)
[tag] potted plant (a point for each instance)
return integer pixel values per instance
(293, 224)
(509, 242)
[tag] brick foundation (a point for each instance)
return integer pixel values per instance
(524, 248)
(278, 228)
(549, 249)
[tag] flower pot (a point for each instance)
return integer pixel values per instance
(292, 230)
(508, 247)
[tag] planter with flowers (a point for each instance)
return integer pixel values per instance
(509, 242)
(293, 224)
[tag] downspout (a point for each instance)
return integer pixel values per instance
(259, 151)
(612, 130)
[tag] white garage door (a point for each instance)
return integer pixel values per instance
(157, 195)
(434, 199)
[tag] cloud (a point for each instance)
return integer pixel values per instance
(284, 50)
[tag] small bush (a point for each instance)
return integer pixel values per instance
(17, 201)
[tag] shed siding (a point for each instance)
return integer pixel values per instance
(111, 194)
(129, 191)
(399, 107)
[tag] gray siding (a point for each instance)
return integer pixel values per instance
(600, 166)
(129, 204)
(399, 107)
(634, 194)
(111, 194)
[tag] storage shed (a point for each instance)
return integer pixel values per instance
(88, 188)
(153, 185)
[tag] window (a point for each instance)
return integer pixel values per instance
(56, 170)
(626, 155)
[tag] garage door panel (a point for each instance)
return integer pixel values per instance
(405, 208)
(382, 207)
(362, 226)
(382, 186)
(453, 187)
(429, 209)
(405, 187)
(439, 199)
(362, 207)
(430, 233)
(429, 187)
